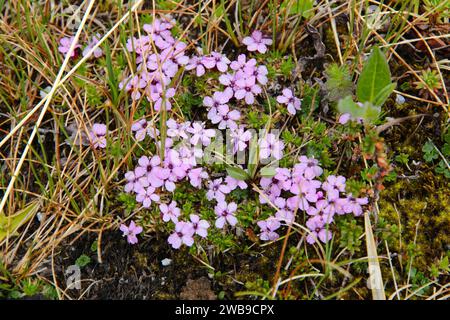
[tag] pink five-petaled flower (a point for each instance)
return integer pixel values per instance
(284, 213)
(309, 167)
(131, 232)
(146, 196)
(177, 130)
(197, 64)
(247, 89)
(170, 212)
(200, 226)
(257, 42)
(217, 190)
(270, 145)
(293, 103)
(196, 176)
(65, 44)
(318, 229)
(260, 73)
(144, 128)
(183, 234)
(216, 59)
(268, 228)
(225, 214)
(98, 135)
(353, 205)
(240, 137)
(233, 183)
(219, 98)
(225, 117)
(163, 98)
(98, 52)
(334, 182)
(134, 181)
(241, 62)
(200, 134)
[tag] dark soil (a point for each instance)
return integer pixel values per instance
(136, 272)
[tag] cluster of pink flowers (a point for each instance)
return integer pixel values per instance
(299, 189)
(66, 42)
(159, 58)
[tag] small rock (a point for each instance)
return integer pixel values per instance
(400, 99)
(166, 262)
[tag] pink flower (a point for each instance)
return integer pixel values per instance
(200, 226)
(344, 118)
(319, 211)
(65, 44)
(259, 73)
(133, 84)
(268, 228)
(257, 42)
(98, 135)
(146, 196)
(334, 183)
(229, 80)
(147, 170)
(270, 145)
(225, 117)
(233, 183)
(160, 32)
(143, 128)
(170, 212)
(242, 63)
(196, 176)
(219, 98)
(353, 205)
(318, 230)
(283, 212)
(197, 64)
(163, 98)
(225, 214)
(134, 181)
(293, 103)
(216, 60)
(217, 190)
(309, 167)
(200, 134)
(176, 130)
(140, 46)
(247, 89)
(131, 232)
(97, 52)
(240, 137)
(183, 235)
(172, 171)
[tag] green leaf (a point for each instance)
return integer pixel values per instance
(112, 78)
(253, 157)
(9, 225)
(429, 152)
(83, 260)
(267, 172)
(347, 105)
(384, 94)
(371, 112)
(368, 112)
(237, 173)
(374, 77)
